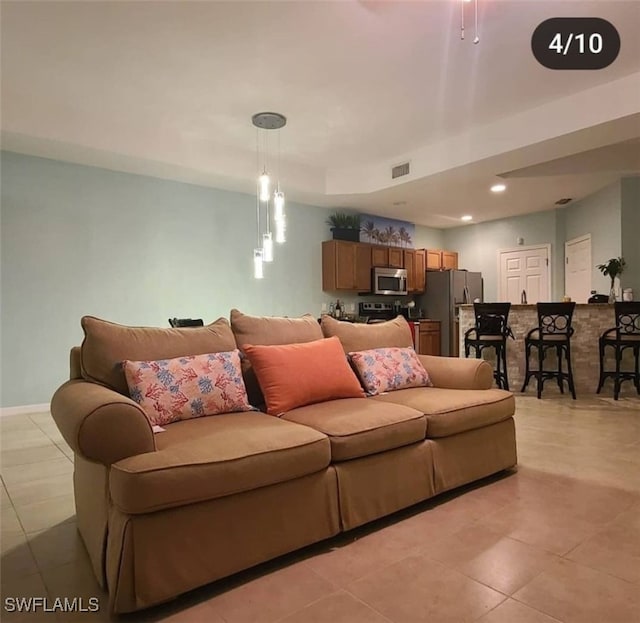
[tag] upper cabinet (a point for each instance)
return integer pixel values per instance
(409, 262)
(363, 267)
(379, 256)
(346, 266)
(434, 259)
(414, 262)
(438, 259)
(396, 258)
(449, 260)
(420, 268)
(386, 256)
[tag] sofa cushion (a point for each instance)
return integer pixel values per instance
(186, 387)
(389, 369)
(355, 337)
(452, 411)
(213, 457)
(360, 426)
(294, 375)
(267, 330)
(107, 344)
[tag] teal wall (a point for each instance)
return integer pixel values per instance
(79, 240)
(136, 250)
(477, 246)
(429, 238)
(598, 215)
(630, 207)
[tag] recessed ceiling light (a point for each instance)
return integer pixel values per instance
(498, 188)
(466, 217)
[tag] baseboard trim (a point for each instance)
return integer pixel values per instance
(25, 409)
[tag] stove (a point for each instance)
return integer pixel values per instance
(376, 312)
(381, 312)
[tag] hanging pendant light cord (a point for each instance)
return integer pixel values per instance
(258, 187)
(278, 162)
(268, 211)
(476, 39)
(462, 19)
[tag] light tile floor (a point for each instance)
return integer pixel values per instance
(556, 540)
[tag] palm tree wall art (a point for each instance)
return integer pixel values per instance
(386, 231)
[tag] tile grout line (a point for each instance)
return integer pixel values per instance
(524, 603)
(386, 618)
(603, 571)
(490, 610)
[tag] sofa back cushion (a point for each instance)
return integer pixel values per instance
(357, 337)
(294, 375)
(269, 331)
(186, 387)
(106, 345)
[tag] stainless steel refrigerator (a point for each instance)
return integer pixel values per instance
(446, 290)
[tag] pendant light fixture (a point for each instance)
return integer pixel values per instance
(265, 199)
(476, 38)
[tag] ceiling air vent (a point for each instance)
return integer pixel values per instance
(563, 201)
(400, 170)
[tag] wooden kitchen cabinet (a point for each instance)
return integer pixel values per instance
(434, 259)
(439, 259)
(387, 256)
(346, 266)
(414, 262)
(396, 259)
(379, 256)
(420, 268)
(449, 260)
(429, 338)
(409, 263)
(363, 267)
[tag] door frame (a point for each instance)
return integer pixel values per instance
(544, 245)
(574, 241)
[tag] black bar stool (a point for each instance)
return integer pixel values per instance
(554, 330)
(491, 331)
(626, 334)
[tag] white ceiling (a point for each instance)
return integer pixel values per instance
(168, 89)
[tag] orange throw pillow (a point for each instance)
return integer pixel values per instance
(294, 375)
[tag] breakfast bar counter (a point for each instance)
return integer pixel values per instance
(589, 322)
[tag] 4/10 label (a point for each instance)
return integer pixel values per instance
(575, 43)
(592, 44)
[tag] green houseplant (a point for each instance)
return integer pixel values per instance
(613, 268)
(345, 226)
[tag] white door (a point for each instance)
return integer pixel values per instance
(524, 268)
(577, 268)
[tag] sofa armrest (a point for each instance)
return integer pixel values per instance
(100, 424)
(457, 373)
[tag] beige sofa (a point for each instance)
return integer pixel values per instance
(164, 513)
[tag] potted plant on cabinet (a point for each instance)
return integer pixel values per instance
(613, 268)
(345, 226)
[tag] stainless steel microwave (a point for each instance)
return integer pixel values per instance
(389, 281)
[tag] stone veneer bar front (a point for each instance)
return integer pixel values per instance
(590, 321)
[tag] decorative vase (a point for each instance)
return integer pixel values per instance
(351, 234)
(612, 294)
